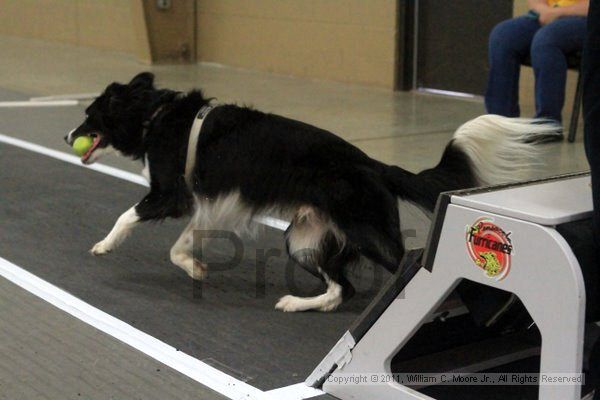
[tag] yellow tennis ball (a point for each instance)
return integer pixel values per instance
(82, 144)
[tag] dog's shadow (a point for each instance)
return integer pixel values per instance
(241, 287)
(248, 282)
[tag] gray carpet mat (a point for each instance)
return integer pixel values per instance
(51, 213)
(47, 354)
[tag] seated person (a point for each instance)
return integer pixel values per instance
(551, 29)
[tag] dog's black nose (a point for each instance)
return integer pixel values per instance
(67, 139)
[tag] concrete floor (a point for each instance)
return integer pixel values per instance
(408, 129)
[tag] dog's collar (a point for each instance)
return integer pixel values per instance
(190, 161)
(148, 123)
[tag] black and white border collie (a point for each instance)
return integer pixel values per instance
(342, 204)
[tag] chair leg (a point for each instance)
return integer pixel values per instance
(576, 110)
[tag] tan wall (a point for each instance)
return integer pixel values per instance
(103, 24)
(342, 40)
(526, 86)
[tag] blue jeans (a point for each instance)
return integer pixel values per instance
(511, 41)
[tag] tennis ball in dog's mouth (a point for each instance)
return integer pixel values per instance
(82, 144)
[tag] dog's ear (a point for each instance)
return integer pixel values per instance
(142, 80)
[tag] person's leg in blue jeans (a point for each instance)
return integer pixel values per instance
(549, 47)
(509, 45)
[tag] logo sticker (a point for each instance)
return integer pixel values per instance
(489, 247)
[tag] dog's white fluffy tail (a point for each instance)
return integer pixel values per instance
(503, 149)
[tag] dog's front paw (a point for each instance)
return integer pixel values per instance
(100, 248)
(289, 303)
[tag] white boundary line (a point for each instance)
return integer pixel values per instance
(71, 159)
(297, 391)
(272, 222)
(53, 103)
(185, 364)
(112, 171)
(74, 96)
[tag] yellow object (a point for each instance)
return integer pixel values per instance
(82, 144)
(561, 3)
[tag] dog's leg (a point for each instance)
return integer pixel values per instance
(327, 301)
(182, 253)
(316, 244)
(126, 222)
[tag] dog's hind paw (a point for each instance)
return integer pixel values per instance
(100, 248)
(199, 271)
(321, 303)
